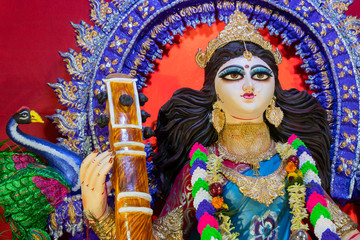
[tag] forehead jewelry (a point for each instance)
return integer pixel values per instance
(238, 29)
(247, 54)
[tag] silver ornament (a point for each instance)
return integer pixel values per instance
(299, 235)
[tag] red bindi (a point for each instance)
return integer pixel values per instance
(246, 66)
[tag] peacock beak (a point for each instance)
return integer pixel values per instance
(35, 117)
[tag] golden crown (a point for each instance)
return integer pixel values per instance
(238, 29)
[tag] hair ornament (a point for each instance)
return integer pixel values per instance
(238, 29)
(247, 54)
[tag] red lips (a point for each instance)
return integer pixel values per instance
(248, 95)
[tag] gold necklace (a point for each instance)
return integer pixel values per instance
(252, 160)
(248, 143)
(262, 189)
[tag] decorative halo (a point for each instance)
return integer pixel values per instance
(127, 37)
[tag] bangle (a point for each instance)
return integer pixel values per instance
(344, 224)
(347, 228)
(353, 236)
(104, 227)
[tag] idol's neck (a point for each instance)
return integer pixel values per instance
(232, 119)
(245, 138)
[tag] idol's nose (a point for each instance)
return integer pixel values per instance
(248, 85)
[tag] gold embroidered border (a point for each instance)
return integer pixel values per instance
(344, 224)
(170, 226)
(262, 189)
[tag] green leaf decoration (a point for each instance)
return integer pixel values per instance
(2, 143)
(10, 148)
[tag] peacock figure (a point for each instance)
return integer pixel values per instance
(43, 200)
(33, 193)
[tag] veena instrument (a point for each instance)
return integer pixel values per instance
(133, 215)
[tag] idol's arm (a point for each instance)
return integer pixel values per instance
(93, 173)
(346, 228)
(175, 221)
(353, 235)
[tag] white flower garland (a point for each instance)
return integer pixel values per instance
(198, 173)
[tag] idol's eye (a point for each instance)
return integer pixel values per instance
(261, 74)
(232, 74)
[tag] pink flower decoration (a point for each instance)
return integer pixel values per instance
(314, 199)
(205, 220)
(196, 147)
(292, 138)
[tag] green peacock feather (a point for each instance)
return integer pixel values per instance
(24, 204)
(8, 167)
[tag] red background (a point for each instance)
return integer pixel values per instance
(32, 33)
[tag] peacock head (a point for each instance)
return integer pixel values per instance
(25, 116)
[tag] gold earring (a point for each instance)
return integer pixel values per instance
(217, 117)
(274, 114)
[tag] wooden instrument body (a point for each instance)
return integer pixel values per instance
(133, 215)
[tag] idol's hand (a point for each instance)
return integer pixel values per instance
(93, 172)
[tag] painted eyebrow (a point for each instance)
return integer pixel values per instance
(231, 66)
(261, 66)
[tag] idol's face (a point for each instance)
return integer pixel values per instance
(244, 89)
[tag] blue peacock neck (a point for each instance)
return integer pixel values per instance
(64, 161)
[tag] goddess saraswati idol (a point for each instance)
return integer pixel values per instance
(240, 159)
